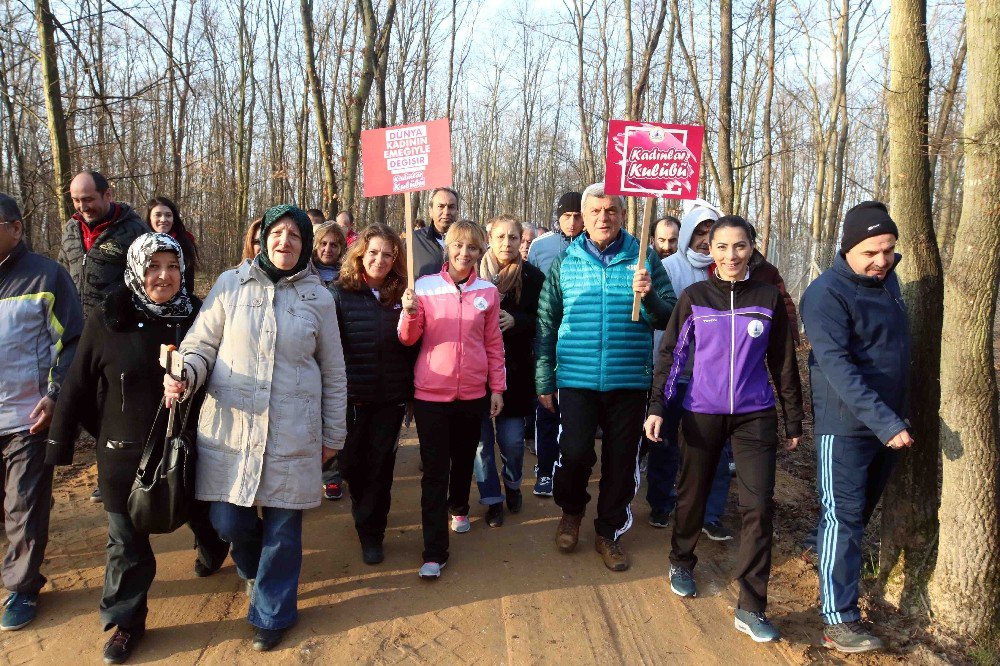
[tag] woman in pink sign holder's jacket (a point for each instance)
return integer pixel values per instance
(455, 315)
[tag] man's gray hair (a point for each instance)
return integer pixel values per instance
(9, 210)
(454, 193)
(597, 191)
(528, 226)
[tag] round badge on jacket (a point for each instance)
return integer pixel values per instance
(480, 303)
(755, 328)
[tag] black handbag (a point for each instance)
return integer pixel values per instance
(163, 491)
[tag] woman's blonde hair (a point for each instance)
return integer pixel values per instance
(324, 230)
(252, 236)
(352, 270)
(465, 230)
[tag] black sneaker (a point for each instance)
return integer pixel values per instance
(716, 532)
(265, 640)
(514, 500)
(372, 553)
(96, 496)
(494, 515)
(659, 518)
(850, 637)
(210, 557)
(121, 644)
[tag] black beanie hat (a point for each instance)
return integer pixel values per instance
(867, 219)
(568, 203)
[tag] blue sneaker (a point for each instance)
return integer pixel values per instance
(543, 487)
(20, 609)
(431, 570)
(682, 582)
(756, 625)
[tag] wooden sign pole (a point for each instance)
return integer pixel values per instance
(408, 214)
(647, 222)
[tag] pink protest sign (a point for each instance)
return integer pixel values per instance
(406, 158)
(653, 159)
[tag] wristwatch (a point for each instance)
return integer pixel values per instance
(53, 392)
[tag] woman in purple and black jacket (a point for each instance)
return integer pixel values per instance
(737, 329)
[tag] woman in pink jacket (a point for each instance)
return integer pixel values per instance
(456, 316)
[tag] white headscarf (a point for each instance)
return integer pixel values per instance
(140, 252)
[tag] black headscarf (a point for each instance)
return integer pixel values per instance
(301, 220)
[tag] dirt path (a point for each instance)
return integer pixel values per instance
(507, 596)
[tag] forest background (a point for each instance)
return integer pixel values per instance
(810, 106)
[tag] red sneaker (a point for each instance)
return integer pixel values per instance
(333, 491)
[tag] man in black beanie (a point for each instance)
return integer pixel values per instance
(541, 254)
(859, 370)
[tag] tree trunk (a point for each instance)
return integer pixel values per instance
(330, 202)
(965, 589)
(58, 135)
(726, 185)
(765, 206)
(909, 512)
(375, 42)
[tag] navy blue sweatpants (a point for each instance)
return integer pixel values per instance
(851, 475)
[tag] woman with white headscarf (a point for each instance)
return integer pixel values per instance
(114, 391)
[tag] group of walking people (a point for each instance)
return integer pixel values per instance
(303, 361)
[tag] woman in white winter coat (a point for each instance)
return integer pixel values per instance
(267, 347)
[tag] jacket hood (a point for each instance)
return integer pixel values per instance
(121, 314)
(696, 211)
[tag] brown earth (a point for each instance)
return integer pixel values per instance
(507, 597)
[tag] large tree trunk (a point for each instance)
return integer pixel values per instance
(58, 135)
(909, 513)
(726, 186)
(965, 589)
(330, 202)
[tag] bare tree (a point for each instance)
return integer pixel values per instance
(909, 512)
(965, 588)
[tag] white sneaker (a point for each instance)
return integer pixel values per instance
(431, 570)
(460, 524)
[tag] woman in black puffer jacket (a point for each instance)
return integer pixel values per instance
(519, 284)
(379, 377)
(114, 389)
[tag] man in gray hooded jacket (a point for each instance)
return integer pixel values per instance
(40, 323)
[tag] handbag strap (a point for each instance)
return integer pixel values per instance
(186, 412)
(147, 451)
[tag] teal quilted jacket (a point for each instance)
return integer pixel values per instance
(586, 337)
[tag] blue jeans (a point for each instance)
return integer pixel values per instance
(267, 550)
(547, 438)
(665, 459)
(509, 434)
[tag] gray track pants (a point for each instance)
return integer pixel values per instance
(26, 484)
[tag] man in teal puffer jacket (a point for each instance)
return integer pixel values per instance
(601, 362)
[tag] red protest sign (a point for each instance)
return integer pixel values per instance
(653, 159)
(406, 158)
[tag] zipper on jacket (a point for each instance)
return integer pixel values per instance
(461, 346)
(732, 344)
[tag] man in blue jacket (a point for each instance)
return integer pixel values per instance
(601, 362)
(541, 254)
(856, 321)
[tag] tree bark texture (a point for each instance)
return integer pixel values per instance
(58, 135)
(909, 511)
(965, 589)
